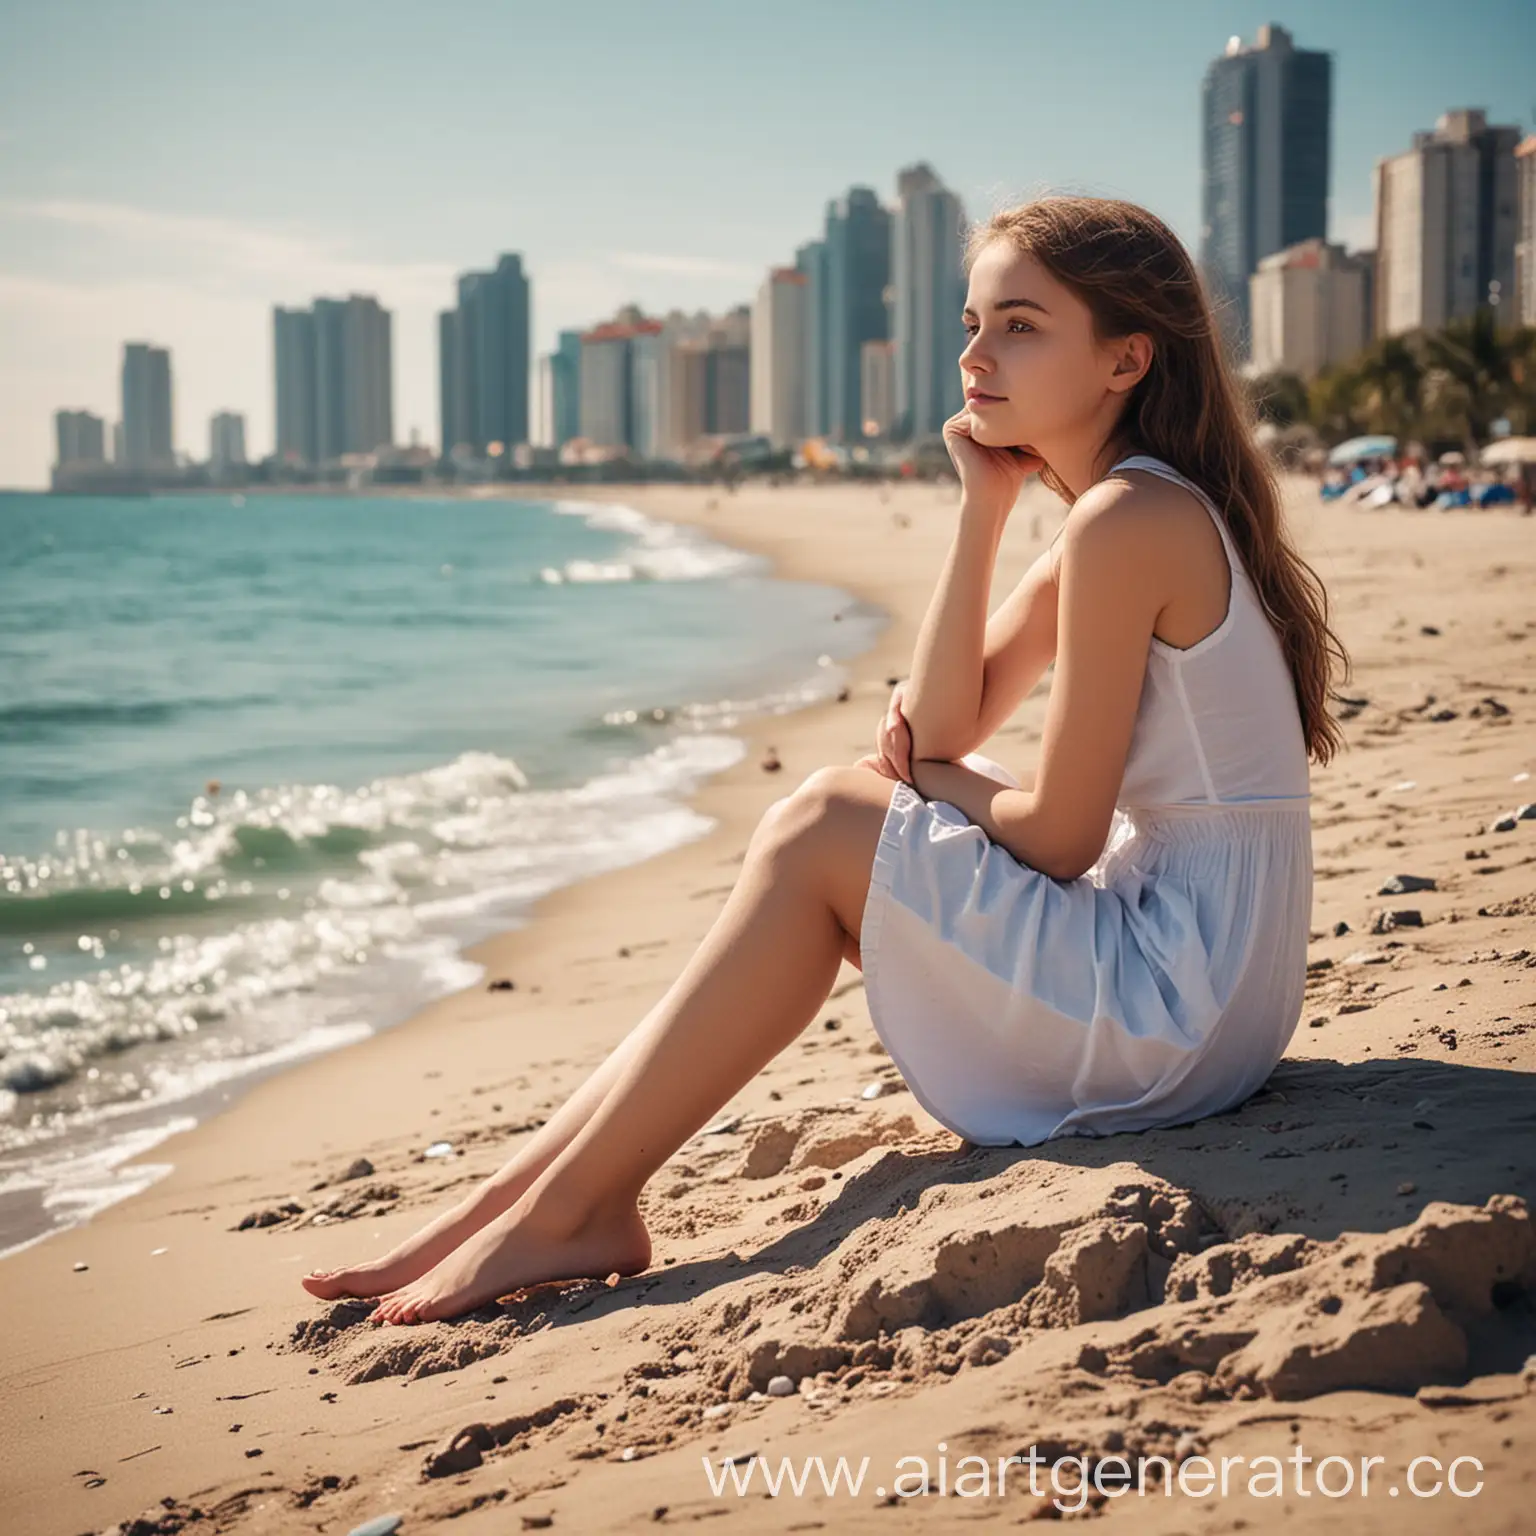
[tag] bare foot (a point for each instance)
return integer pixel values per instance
(419, 1252)
(519, 1249)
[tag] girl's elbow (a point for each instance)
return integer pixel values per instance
(1063, 866)
(1066, 857)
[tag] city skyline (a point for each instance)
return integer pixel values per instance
(93, 256)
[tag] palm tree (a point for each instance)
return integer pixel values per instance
(1522, 369)
(1391, 376)
(1472, 378)
(1334, 402)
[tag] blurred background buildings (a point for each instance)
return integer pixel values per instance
(850, 346)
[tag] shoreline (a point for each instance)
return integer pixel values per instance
(147, 1378)
(129, 1153)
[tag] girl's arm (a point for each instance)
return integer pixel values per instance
(942, 700)
(1117, 562)
(942, 697)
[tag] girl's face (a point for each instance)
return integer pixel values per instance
(1035, 375)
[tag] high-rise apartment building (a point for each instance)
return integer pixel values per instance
(811, 263)
(1446, 226)
(485, 360)
(80, 438)
(453, 416)
(928, 295)
(334, 376)
(147, 429)
(673, 370)
(655, 387)
(293, 371)
(858, 270)
(1266, 113)
(607, 379)
(485, 352)
(779, 361)
(226, 441)
(354, 376)
(565, 388)
(1309, 305)
(1525, 232)
(728, 374)
(878, 387)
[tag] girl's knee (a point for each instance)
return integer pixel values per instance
(824, 800)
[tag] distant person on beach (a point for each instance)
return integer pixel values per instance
(1117, 942)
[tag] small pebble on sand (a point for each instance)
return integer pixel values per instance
(781, 1386)
(81, 1266)
(439, 1149)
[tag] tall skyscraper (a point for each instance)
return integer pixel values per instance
(1446, 226)
(565, 387)
(877, 387)
(451, 383)
(293, 371)
(779, 360)
(334, 376)
(1266, 117)
(485, 361)
(928, 294)
(811, 262)
(728, 374)
(80, 438)
(858, 268)
(147, 407)
(1525, 232)
(226, 441)
(354, 377)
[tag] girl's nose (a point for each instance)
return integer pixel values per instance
(973, 358)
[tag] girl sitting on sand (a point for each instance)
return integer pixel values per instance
(1117, 944)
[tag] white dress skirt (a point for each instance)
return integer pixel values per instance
(1162, 985)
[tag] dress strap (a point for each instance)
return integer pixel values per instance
(1154, 466)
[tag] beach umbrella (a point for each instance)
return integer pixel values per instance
(1509, 450)
(1357, 448)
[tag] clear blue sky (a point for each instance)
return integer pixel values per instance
(171, 168)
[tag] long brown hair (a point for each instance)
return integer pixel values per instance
(1135, 276)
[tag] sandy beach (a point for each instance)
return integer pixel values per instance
(1347, 1262)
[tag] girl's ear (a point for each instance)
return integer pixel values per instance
(1132, 356)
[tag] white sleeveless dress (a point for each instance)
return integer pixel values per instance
(1162, 985)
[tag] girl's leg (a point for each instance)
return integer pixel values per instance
(758, 978)
(420, 1251)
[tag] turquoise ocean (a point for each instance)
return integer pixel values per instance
(268, 763)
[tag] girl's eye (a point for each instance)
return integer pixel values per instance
(970, 330)
(1020, 325)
